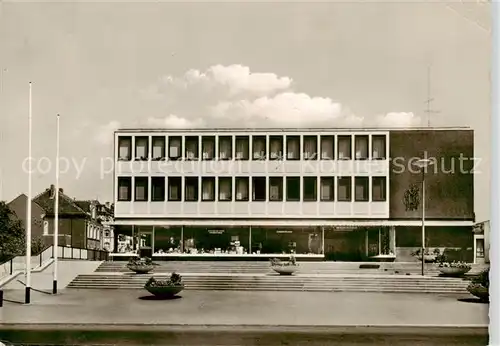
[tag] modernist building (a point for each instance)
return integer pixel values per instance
(320, 193)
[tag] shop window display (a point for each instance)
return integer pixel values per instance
(167, 240)
(286, 240)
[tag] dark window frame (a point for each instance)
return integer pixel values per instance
(341, 138)
(230, 180)
(366, 183)
(179, 156)
(340, 180)
(280, 189)
(146, 188)
(315, 154)
(213, 197)
(279, 139)
(384, 189)
(187, 182)
(209, 139)
(367, 143)
(255, 139)
(154, 187)
(236, 199)
(264, 189)
(306, 197)
(321, 140)
(290, 139)
(142, 158)
(246, 155)
(221, 139)
(175, 181)
(128, 141)
(384, 140)
(293, 179)
(163, 148)
(192, 139)
(332, 187)
(128, 184)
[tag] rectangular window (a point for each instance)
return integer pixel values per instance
(327, 147)
(310, 189)
(344, 147)
(191, 187)
(158, 148)
(310, 147)
(141, 188)
(225, 188)
(361, 189)
(293, 189)
(124, 189)
(361, 143)
(208, 147)
(293, 147)
(208, 189)
(174, 147)
(124, 148)
(480, 248)
(141, 148)
(192, 148)
(259, 147)
(378, 147)
(242, 147)
(327, 189)
(259, 189)
(242, 188)
(276, 189)
(276, 147)
(378, 189)
(344, 189)
(225, 148)
(174, 189)
(158, 189)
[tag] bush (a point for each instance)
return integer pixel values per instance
(483, 279)
(175, 280)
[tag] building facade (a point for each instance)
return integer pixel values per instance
(333, 194)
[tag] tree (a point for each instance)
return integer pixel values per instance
(411, 198)
(12, 235)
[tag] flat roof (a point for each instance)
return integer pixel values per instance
(278, 129)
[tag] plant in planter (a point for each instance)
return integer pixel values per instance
(141, 265)
(165, 289)
(480, 286)
(454, 269)
(428, 256)
(284, 267)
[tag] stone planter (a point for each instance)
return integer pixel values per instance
(140, 269)
(284, 269)
(164, 291)
(479, 291)
(453, 271)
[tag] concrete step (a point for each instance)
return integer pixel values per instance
(284, 283)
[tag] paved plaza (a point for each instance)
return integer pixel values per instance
(243, 308)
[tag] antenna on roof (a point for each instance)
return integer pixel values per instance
(429, 109)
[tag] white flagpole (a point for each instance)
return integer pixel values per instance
(28, 218)
(56, 210)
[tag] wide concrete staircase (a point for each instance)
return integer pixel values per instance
(258, 276)
(305, 268)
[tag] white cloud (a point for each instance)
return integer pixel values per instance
(104, 133)
(398, 119)
(174, 122)
(234, 96)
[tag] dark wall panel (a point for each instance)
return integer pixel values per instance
(449, 183)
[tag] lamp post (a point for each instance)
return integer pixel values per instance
(27, 295)
(56, 213)
(423, 164)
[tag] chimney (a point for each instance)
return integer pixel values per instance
(52, 191)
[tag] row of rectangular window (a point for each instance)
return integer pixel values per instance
(263, 189)
(280, 147)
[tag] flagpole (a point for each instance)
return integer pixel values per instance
(28, 218)
(56, 211)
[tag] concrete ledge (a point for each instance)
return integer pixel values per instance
(137, 334)
(335, 329)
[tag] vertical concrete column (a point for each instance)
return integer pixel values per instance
(392, 239)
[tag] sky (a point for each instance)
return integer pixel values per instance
(111, 65)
